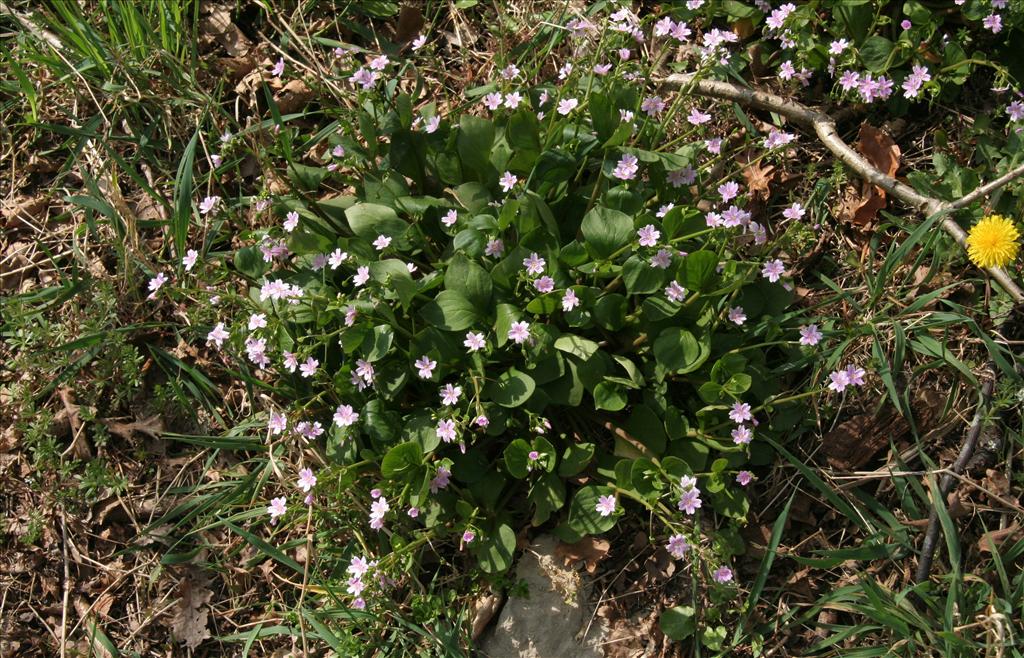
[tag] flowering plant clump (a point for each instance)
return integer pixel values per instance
(546, 308)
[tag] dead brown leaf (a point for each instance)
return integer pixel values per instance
(879, 149)
(410, 23)
(758, 178)
(189, 623)
(79, 446)
(484, 608)
(218, 25)
(293, 96)
(994, 539)
(589, 550)
(152, 426)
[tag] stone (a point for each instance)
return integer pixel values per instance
(550, 623)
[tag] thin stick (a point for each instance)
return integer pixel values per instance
(824, 126)
(67, 586)
(931, 538)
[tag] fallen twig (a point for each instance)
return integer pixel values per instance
(825, 127)
(924, 564)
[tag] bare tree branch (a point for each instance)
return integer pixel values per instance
(825, 127)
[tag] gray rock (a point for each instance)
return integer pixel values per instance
(552, 621)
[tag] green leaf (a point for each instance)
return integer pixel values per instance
(183, 196)
(472, 281)
(606, 231)
(575, 459)
(699, 270)
(378, 342)
(523, 131)
(450, 311)
(511, 389)
(610, 311)
(875, 53)
(249, 262)
(368, 220)
(400, 460)
(578, 346)
(584, 519)
(677, 350)
(495, 550)
(642, 278)
(547, 495)
(517, 458)
(474, 141)
(474, 197)
(678, 622)
(645, 426)
(609, 396)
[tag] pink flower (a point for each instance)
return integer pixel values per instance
(570, 300)
(494, 248)
(510, 72)
(602, 69)
(648, 236)
(481, 421)
(336, 258)
(382, 242)
(291, 362)
(468, 536)
(413, 512)
(344, 416)
(696, 117)
(474, 341)
(742, 435)
(855, 375)
(838, 381)
(544, 284)
(729, 191)
(534, 264)
(362, 276)
(680, 177)
(218, 335)
(278, 69)
(689, 501)
(277, 423)
(431, 126)
(450, 394)
(838, 46)
(722, 575)
(675, 292)
(257, 321)
(605, 505)
(773, 269)
(446, 430)
(519, 332)
(426, 366)
(291, 221)
(440, 480)
(189, 261)
(677, 546)
(492, 101)
(306, 480)
(626, 168)
(567, 105)
(653, 105)
(993, 22)
(662, 259)
(744, 478)
(277, 507)
(155, 284)
(358, 566)
(794, 212)
(664, 210)
(740, 412)
(809, 335)
(507, 181)
(737, 315)
(513, 100)
(207, 205)
(351, 312)
(419, 41)
(365, 370)
(308, 369)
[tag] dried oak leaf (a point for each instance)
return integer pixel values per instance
(293, 96)
(589, 550)
(993, 539)
(879, 149)
(189, 623)
(758, 179)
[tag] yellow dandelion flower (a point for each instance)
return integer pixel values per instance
(992, 242)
